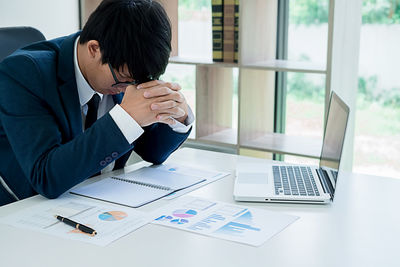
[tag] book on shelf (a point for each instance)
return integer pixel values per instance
(229, 31)
(217, 9)
(225, 30)
(236, 35)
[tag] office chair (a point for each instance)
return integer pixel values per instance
(12, 38)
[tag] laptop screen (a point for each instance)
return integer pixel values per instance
(335, 130)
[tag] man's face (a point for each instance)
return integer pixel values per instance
(109, 81)
(102, 77)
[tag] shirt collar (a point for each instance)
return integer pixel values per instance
(85, 92)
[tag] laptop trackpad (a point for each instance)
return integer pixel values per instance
(252, 178)
(252, 173)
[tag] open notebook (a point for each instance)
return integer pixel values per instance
(137, 188)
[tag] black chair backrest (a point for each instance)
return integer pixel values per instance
(12, 38)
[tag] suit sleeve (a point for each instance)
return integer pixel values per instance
(51, 164)
(157, 142)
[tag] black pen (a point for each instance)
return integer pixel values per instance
(76, 225)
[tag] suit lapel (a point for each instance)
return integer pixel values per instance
(67, 86)
(72, 107)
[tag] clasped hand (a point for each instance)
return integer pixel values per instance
(155, 101)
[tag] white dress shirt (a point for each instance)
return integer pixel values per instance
(128, 126)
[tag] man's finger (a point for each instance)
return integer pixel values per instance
(160, 83)
(164, 105)
(150, 84)
(175, 86)
(175, 112)
(175, 96)
(156, 92)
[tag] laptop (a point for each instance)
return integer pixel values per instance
(264, 182)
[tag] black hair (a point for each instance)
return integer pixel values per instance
(132, 32)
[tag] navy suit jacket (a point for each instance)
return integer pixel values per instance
(43, 148)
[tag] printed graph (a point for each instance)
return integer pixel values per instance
(179, 221)
(164, 218)
(184, 213)
(208, 222)
(238, 227)
(113, 216)
(180, 216)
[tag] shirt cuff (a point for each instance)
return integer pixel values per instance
(184, 128)
(128, 126)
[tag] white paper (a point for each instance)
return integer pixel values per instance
(208, 175)
(222, 220)
(110, 222)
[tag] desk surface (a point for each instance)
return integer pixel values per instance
(361, 228)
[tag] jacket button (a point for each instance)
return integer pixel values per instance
(114, 154)
(103, 163)
(108, 159)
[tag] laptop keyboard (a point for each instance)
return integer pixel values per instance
(294, 180)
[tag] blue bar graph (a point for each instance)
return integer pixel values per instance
(206, 222)
(234, 228)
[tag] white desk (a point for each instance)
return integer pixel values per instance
(361, 228)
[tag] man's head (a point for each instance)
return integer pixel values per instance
(131, 38)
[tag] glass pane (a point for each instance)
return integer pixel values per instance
(305, 104)
(308, 30)
(185, 75)
(194, 29)
(377, 132)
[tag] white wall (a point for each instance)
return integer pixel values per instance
(53, 18)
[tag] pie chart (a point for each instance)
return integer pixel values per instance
(184, 213)
(179, 221)
(113, 216)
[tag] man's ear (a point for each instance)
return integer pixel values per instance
(93, 48)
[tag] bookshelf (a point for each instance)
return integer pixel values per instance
(257, 68)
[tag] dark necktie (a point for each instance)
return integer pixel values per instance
(93, 106)
(91, 117)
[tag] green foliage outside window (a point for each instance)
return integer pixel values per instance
(312, 12)
(302, 88)
(194, 4)
(381, 11)
(188, 8)
(368, 92)
(308, 12)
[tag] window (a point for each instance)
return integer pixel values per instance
(377, 131)
(303, 107)
(307, 41)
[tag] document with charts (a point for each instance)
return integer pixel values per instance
(222, 220)
(111, 222)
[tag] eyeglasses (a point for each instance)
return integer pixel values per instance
(117, 82)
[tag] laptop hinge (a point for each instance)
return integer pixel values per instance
(325, 182)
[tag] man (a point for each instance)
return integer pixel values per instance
(71, 106)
